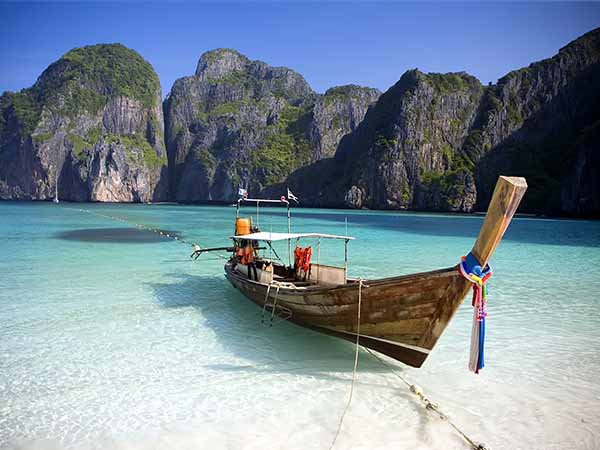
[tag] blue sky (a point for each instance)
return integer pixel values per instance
(330, 44)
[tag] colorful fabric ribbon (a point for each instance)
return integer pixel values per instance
(470, 268)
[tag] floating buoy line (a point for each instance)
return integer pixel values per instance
(413, 388)
(140, 226)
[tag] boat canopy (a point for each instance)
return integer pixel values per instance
(270, 237)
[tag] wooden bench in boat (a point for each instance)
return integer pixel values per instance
(319, 275)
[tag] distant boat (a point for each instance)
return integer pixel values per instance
(56, 193)
(402, 316)
(56, 186)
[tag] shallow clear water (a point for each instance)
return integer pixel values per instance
(111, 337)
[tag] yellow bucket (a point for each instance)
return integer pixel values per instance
(242, 226)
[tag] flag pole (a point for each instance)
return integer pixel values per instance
(289, 218)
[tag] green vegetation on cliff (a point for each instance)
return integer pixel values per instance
(94, 73)
(447, 82)
(138, 149)
(80, 143)
(84, 80)
(342, 93)
(285, 148)
(23, 106)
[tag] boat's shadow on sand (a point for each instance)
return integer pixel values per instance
(236, 323)
(283, 348)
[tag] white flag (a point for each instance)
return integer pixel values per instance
(292, 196)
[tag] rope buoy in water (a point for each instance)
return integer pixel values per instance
(139, 226)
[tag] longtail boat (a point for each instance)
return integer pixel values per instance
(402, 316)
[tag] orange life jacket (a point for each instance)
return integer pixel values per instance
(245, 254)
(302, 258)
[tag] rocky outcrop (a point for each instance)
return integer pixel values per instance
(439, 141)
(235, 123)
(580, 189)
(532, 124)
(336, 113)
(238, 122)
(404, 153)
(91, 127)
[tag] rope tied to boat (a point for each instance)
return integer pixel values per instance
(415, 389)
(470, 269)
(339, 428)
(429, 404)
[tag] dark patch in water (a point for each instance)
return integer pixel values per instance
(117, 235)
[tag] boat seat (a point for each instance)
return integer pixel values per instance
(284, 280)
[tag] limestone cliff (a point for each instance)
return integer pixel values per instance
(540, 122)
(238, 122)
(404, 153)
(439, 141)
(91, 125)
(235, 123)
(335, 114)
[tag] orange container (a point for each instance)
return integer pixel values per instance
(242, 226)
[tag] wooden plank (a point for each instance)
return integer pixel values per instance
(405, 326)
(506, 198)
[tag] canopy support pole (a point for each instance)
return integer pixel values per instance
(237, 215)
(318, 258)
(345, 260)
(289, 220)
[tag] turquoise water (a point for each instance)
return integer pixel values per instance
(111, 337)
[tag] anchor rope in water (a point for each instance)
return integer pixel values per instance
(416, 390)
(339, 428)
(429, 404)
(142, 227)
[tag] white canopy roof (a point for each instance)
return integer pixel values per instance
(267, 236)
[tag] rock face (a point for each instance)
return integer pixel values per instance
(580, 190)
(335, 114)
(407, 147)
(235, 123)
(404, 153)
(541, 122)
(242, 123)
(91, 127)
(439, 141)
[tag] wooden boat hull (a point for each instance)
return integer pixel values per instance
(402, 317)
